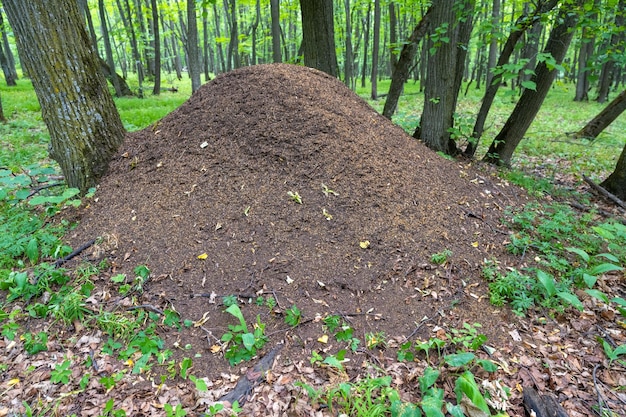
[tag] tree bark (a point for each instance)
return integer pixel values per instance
(616, 182)
(366, 34)
(401, 71)
(493, 42)
(3, 119)
(157, 48)
(611, 112)
(112, 75)
(318, 35)
(7, 49)
(505, 143)
(585, 55)
(275, 13)
(443, 74)
(375, 50)
(195, 69)
(4, 63)
(521, 25)
(349, 56)
(85, 127)
(609, 68)
(107, 47)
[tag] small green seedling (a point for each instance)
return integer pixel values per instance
(295, 196)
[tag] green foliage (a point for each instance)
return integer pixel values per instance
(61, 373)
(242, 344)
(35, 343)
(293, 316)
(441, 258)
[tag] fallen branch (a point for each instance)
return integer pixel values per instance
(252, 378)
(542, 405)
(604, 192)
(148, 307)
(61, 261)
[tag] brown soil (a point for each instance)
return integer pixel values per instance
(214, 178)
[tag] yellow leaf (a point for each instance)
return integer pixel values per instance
(323, 339)
(364, 244)
(215, 348)
(129, 362)
(13, 381)
(203, 256)
(475, 244)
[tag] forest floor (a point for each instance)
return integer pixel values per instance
(278, 183)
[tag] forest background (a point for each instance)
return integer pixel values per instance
(563, 61)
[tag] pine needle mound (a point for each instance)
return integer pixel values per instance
(292, 185)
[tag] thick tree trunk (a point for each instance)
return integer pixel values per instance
(375, 50)
(85, 127)
(275, 12)
(611, 112)
(401, 72)
(505, 143)
(193, 56)
(616, 182)
(157, 48)
(114, 77)
(441, 91)
(523, 23)
(318, 35)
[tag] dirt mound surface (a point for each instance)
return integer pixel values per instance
(295, 188)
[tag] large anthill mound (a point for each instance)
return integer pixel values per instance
(218, 175)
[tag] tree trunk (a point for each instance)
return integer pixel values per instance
(441, 93)
(233, 46)
(7, 49)
(522, 24)
(4, 63)
(3, 119)
(113, 76)
(220, 50)
(375, 50)
(607, 75)
(318, 35)
(107, 46)
(585, 55)
(616, 182)
(157, 48)
(493, 43)
(349, 57)
(611, 112)
(85, 127)
(208, 52)
(137, 65)
(193, 56)
(275, 12)
(401, 72)
(393, 37)
(144, 40)
(503, 146)
(366, 34)
(255, 25)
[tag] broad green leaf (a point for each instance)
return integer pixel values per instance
(608, 256)
(32, 251)
(487, 365)
(603, 232)
(603, 268)
(454, 410)
(571, 299)
(619, 300)
(530, 85)
(620, 350)
(248, 341)
(400, 409)
(333, 361)
(547, 281)
(200, 383)
(235, 311)
(433, 402)
(579, 252)
(590, 280)
(598, 294)
(459, 359)
(428, 379)
(466, 384)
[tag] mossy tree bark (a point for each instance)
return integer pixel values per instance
(85, 127)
